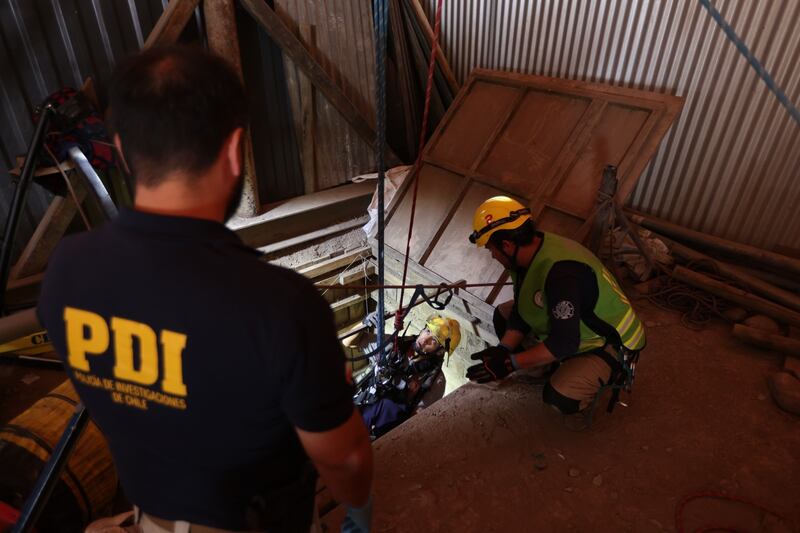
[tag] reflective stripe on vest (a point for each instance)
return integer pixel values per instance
(613, 306)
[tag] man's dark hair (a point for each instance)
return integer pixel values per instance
(520, 235)
(173, 107)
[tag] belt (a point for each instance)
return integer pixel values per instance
(622, 372)
(152, 524)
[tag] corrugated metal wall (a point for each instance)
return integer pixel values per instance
(45, 45)
(343, 45)
(730, 165)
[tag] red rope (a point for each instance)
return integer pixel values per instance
(423, 130)
(716, 496)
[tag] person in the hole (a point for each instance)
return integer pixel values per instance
(588, 333)
(410, 376)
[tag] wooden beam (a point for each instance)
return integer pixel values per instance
(737, 296)
(223, 39)
(171, 23)
(304, 214)
(330, 231)
(299, 54)
(764, 339)
(759, 286)
(348, 277)
(743, 251)
(308, 118)
(452, 82)
(48, 233)
(347, 302)
(329, 265)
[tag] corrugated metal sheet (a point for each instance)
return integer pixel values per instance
(344, 47)
(276, 153)
(730, 165)
(47, 44)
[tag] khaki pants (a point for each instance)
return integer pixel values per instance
(580, 378)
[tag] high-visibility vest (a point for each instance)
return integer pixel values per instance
(612, 306)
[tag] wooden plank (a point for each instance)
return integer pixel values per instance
(300, 215)
(348, 302)
(765, 339)
(542, 125)
(314, 271)
(312, 236)
(348, 277)
(23, 292)
(223, 39)
(755, 284)
(737, 296)
(298, 53)
(742, 251)
(308, 144)
(422, 19)
(470, 130)
(171, 23)
(436, 188)
(48, 233)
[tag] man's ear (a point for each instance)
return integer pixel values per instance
(507, 247)
(233, 152)
(118, 144)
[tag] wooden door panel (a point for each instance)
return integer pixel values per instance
(536, 134)
(464, 135)
(437, 187)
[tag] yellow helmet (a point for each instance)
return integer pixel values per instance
(446, 331)
(498, 212)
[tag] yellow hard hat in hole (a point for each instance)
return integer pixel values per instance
(446, 331)
(496, 213)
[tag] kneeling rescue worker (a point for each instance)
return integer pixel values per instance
(589, 334)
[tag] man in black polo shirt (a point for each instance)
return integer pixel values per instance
(214, 376)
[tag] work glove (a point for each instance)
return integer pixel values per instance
(358, 519)
(495, 364)
(371, 320)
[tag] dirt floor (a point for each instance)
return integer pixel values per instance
(700, 419)
(494, 458)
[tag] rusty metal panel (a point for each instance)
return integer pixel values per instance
(542, 140)
(343, 44)
(733, 144)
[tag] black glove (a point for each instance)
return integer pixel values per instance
(495, 364)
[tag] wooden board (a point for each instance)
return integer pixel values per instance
(541, 140)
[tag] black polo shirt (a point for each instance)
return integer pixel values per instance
(196, 359)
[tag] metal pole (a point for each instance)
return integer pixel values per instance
(380, 15)
(94, 182)
(51, 472)
(18, 203)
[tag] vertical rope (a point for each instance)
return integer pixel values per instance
(423, 131)
(380, 14)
